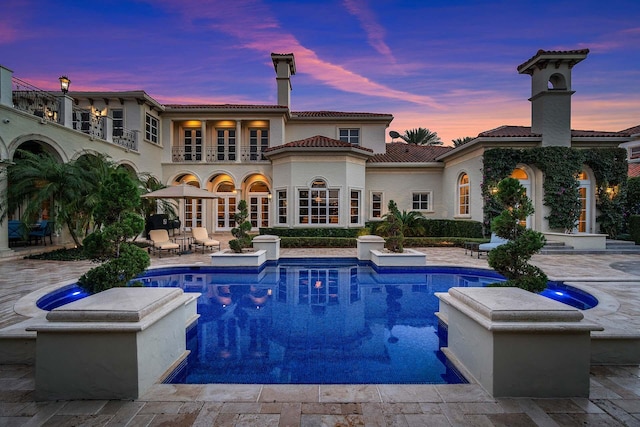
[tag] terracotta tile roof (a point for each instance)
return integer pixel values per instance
(400, 152)
(507, 131)
(318, 141)
(338, 114)
(632, 131)
(634, 170)
(525, 131)
(217, 107)
(573, 56)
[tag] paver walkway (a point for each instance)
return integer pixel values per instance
(614, 399)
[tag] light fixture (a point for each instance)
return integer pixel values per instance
(64, 84)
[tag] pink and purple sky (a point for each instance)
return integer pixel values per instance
(447, 65)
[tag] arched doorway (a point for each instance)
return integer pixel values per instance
(521, 174)
(224, 188)
(584, 194)
(259, 200)
(193, 215)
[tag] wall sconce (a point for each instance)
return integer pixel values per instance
(612, 191)
(64, 84)
(269, 196)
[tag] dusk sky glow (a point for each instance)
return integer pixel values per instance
(447, 65)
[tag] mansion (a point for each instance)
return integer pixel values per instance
(300, 169)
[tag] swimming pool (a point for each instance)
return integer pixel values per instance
(323, 321)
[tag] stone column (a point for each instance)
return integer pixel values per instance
(4, 228)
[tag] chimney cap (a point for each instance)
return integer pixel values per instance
(284, 57)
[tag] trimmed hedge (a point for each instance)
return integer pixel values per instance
(312, 232)
(442, 227)
(352, 242)
(318, 242)
(634, 228)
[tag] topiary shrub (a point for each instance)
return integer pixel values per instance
(241, 232)
(511, 259)
(391, 228)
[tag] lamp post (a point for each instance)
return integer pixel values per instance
(64, 84)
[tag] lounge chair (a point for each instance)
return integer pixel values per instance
(201, 238)
(41, 231)
(493, 243)
(161, 242)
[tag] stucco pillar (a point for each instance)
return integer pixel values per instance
(65, 110)
(4, 228)
(6, 92)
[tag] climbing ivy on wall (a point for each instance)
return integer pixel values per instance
(560, 166)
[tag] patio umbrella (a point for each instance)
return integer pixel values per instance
(182, 191)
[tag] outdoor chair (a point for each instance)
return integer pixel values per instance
(160, 242)
(17, 231)
(40, 232)
(201, 238)
(493, 243)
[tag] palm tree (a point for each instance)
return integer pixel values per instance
(461, 141)
(421, 136)
(36, 179)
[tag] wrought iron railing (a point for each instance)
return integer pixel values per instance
(32, 100)
(182, 153)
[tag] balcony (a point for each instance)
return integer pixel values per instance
(184, 154)
(47, 106)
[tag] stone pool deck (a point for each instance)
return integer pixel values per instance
(614, 397)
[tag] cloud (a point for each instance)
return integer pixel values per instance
(237, 19)
(375, 32)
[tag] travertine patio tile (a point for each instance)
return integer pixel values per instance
(480, 408)
(431, 420)
(331, 420)
(579, 420)
(82, 407)
(373, 415)
(321, 408)
(409, 393)
(587, 406)
(141, 420)
(255, 420)
(512, 420)
(349, 393)
(229, 393)
(403, 408)
(463, 393)
(290, 414)
(172, 392)
(174, 420)
(126, 413)
(629, 405)
(289, 393)
(161, 408)
(241, 408)
(207, 414)
(558, 406)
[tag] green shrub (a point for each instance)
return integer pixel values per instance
(634, 228)
(241, 232)
(116, 272)
(312, 232)
(318, 242)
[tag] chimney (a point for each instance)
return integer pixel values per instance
(551, 92)
(285, 66)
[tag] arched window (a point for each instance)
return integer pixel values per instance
(259, 204)
(584, 193)
(523, 177)
(226, 205)
(463, 194)
(318, 204)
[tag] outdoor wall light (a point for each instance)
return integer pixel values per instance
(64, 84)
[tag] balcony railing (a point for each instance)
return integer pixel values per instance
(46, 105)
(181, 153)
(32, 100)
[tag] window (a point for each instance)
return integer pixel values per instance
(151, 128)
(118, 122)
(282, 206)
(355, 206)
(226, 144)
(463, 194)
(193, 144)
(376, 205)
(318, 205)
(635, 153)
(421, 201)
(352, 136)
(258, 143)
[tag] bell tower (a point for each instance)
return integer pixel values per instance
(551, 92)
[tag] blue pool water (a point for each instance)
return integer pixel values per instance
(331, 321)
